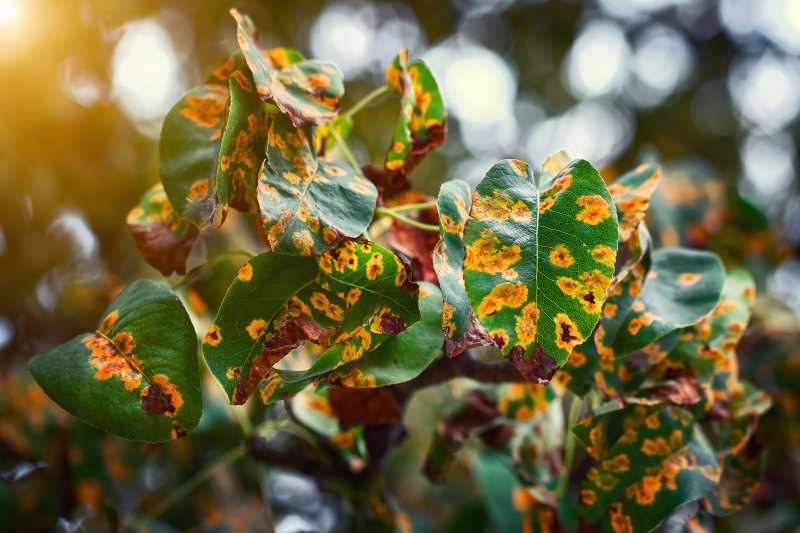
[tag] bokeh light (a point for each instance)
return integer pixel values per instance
(765, 91)
(597, 63)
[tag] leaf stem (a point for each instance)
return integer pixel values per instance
(569, 448)
(388, 212)
(195, 272)
(407, 208)
(368, 99)
(345, 149)
(192, 483)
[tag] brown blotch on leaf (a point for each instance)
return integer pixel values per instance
(177, 431)
(474, 335)
(155, 401)
(540, 368)
(566, 333)
(163, 249)
(391, 324)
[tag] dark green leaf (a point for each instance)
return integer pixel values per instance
(309, 205)
(538, 265)
(136, 376)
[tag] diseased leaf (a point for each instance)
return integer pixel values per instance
(136, 375)
(308, 92)
(162, 236)
(211, 146)
(309, 205)
(277, 303)
(631, 194)
(461, 329)
(659, 461)
(681, 288)
(421, 125)
(538, 265)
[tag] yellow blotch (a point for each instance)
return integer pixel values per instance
(687, 279)
(620, 522)
(588, 497)
(352, 296)
(344, 440)
(609, 310)
(576, 359)
(569, 286)
(292, 178)
(245, 273)
(595, 209)
(303, 241)
(205, 111)
(115, 358)
(645, 491)
(503, 295)
(256, 328)
(518, 167)
(567, 334)
(620, 463)
(375, 266)
(108, 322)
(335, 171)
(526, 324)
(402, 272)
(546, 204)
(561, 257)
(487, 255)
(603, 254)
(394, 164)
(451, 226)
(499, 336)
(657, 446)
(595, 281)
(213, 336)
(198, 190)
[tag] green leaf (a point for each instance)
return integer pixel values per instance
(309, 205)
(499, 486)
(401, 357)
(189, 151)
(421, 126)
(162, 236)
(681, 288)
(308, 92)
(277, 303)
(461, 329)
(631, 194)
(211, 146)
(537, 265)
(136, 376)
(659, 462)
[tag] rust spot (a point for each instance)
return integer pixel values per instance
(391, 324)
(566, 333)
(540, 368)
(177, 431)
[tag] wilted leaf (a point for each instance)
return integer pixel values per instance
(461, 329)
(162, 236)
(279, 302)
(422, 125)
(308, 92)
(537, 265)
(136, 375)
(309, 205)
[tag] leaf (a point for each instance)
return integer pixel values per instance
(308, 205)
(659, 462)
(537, 265)
(162, 236)
(277, 303)
(631, 194)
(211, 146)
(421, 126)
(402, 357)
(501, 490)
(416, 244)
(461, 329)
(308, 92)
(554, 164)
(136, 376)
(681, 288)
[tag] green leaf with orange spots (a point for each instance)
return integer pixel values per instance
(681, 287)
(631, 194)
(277, 303)
(421, 126)
(538, 264)
(309, 205)
(648, 462)
(461, 329)
(162, 236)
(308, 92)
(136, 375)
(211, 146)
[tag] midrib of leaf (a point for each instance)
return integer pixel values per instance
(378, 294)
(125, 357)
(302, 196)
